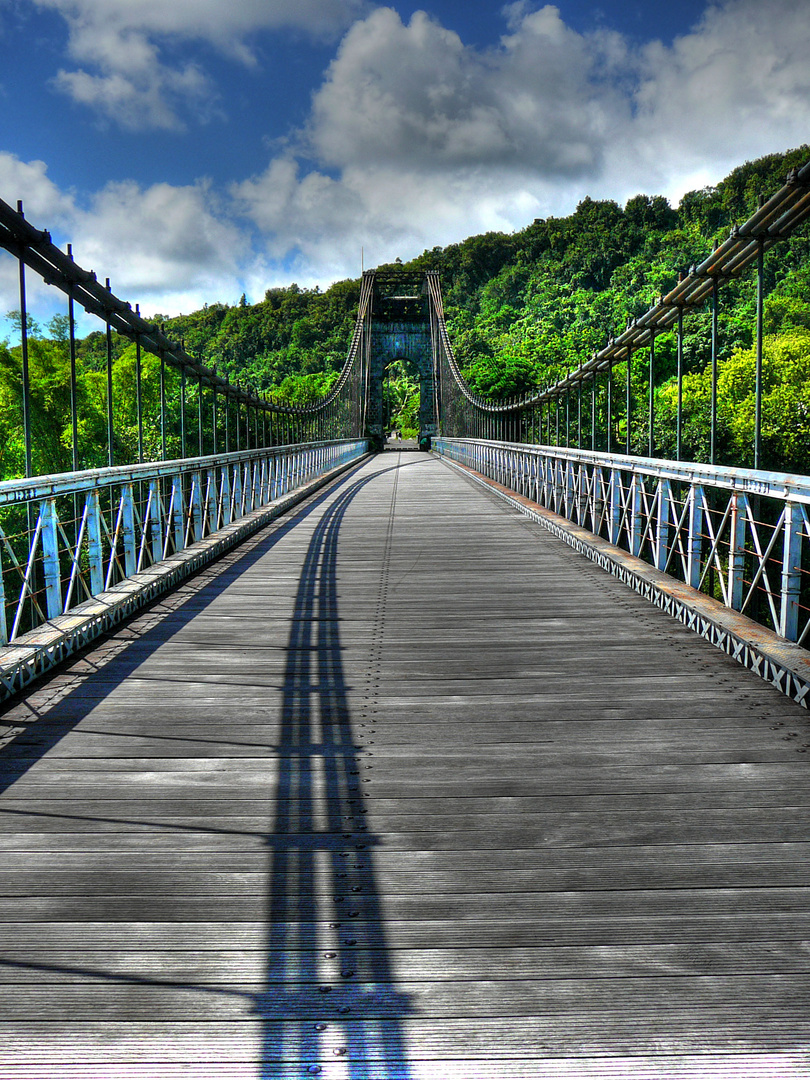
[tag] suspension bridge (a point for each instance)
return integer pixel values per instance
(486, 758)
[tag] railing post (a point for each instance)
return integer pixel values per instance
(156, 520)
(791, 572)
(178, 513)
(211, 496)
(255, 488)
(736, 553)
(196, 507)
(263, 494)
(225, 495)
(635, 515)
(662, 524)
(582, 493)
(559, 485)
(597, 501)
(695, 549)
(3, 619)
(95, 551)
(569, 489)
(237, 491)
(128, 530)
(50, 558)
(615, 505)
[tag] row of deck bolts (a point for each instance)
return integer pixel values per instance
(791, 735)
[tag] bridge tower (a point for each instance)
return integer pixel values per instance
(400, 330)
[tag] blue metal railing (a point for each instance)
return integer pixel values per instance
(741, 536)
(72, 545)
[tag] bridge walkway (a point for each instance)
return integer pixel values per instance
(404, 788)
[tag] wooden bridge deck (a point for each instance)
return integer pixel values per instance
(404, 788)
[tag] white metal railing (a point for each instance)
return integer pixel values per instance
(739, 535)
(65, 539)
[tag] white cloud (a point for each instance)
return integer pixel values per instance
(42, 198)
(156, 242)
(419, 140)
(223, 24)
(151, 97)
(416, 139)
(43, 203)
(415, 94)
(168, 248)
(737, 87)
(132, 84)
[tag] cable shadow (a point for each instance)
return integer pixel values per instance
(323, 897)
(330, 989)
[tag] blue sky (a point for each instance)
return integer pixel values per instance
(193, 150)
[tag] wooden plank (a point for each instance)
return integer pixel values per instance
(581, 850)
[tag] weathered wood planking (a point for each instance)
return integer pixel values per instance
(403, 790)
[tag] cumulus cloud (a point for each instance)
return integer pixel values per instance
(415, 93)
(417, 139)
(160, 240)
(42, 197)
(738, 86)
(170, 248)
(126, 78)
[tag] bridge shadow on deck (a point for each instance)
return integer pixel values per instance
(329, 991)
(338, 996)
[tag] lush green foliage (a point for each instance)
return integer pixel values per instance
(522, 309)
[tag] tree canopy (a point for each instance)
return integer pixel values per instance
(523, 309)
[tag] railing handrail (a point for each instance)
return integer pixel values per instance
(777, 485)
(14, 492)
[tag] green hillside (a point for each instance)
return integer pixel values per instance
(523, 308)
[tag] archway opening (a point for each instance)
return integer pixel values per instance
(402, 389)
(400, 375)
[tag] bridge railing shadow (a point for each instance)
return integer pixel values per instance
(329, 991)
(322, 881)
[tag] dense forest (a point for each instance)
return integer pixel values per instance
(522, 308)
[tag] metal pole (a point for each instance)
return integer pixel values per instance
(227, 416)
(628, 405)
(568, 416)
(139, 389)
(679, 422)
(651, 417)
(609, 406)
(200, 444)
(214, 418)
(715, 313)
(182, 412)
(163, 451)
(758, 381)
(26, 378)
(74, 408)
(110, 451)
(593, 411)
